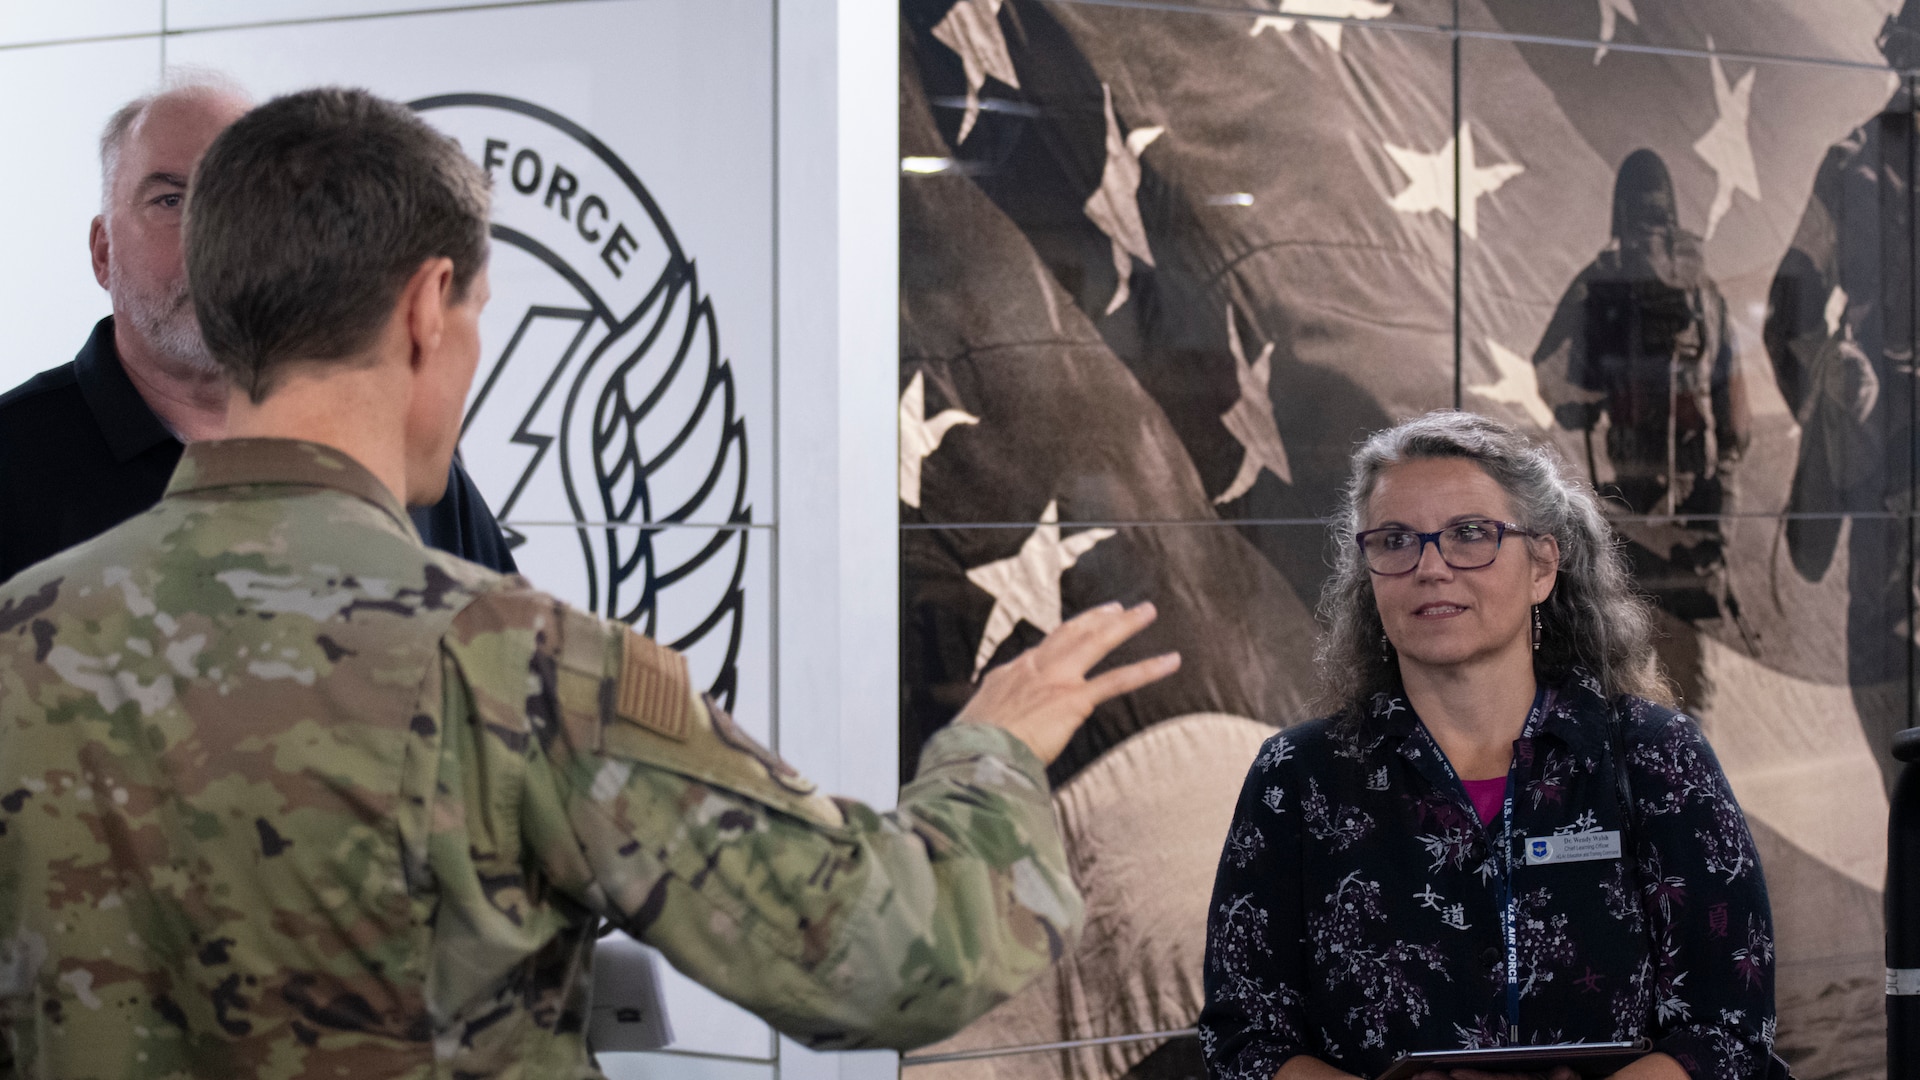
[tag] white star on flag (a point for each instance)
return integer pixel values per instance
(1115, 208)
(1026, 587)
(1610, 11)
(920, 436)
(972, 29)
(1326, 31)
(1517, 384)
(1726, 147)
(1430, 179)
(1251, 419)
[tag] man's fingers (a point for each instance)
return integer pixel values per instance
(1098, 632)
(1065, 636)
(1125, 680)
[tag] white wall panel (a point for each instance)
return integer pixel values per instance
(705, 1022)
(839, 561)
(839, 347)
(217, 14)
(26, 21)
(62, 95)
(631, 145)
(673, 99)
(671, 1066)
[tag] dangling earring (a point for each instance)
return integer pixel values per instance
(1536, 628)
(1386, 649)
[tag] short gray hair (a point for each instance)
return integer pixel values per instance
(1593, 620)
(308, 216)
(181, 82)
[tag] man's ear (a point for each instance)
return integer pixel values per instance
(97, 247)
(424, 302)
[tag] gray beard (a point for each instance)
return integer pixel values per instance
(165, 321)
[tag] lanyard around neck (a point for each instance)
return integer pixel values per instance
(1509, 899)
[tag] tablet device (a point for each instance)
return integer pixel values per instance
(1587, 1059)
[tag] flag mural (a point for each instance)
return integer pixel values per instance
(1162, 267)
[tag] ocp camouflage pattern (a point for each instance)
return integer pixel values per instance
(285, 794)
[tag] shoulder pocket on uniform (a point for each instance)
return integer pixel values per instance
(656, 719)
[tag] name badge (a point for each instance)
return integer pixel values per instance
(1572, 847)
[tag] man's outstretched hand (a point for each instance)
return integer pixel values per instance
(1044, 695)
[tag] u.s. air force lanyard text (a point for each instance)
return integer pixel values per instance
(1509, 899)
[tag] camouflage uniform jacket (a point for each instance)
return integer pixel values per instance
(284, 793)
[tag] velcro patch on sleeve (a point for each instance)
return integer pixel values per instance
(772, 764)
(654, 687)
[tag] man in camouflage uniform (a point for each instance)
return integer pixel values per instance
(289, 794)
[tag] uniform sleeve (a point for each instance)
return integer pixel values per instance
(1706, 902)
(1256, 966)
(841, 926)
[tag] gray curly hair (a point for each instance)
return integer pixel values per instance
(1592, 620)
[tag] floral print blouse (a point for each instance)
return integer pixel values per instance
(1359, 908)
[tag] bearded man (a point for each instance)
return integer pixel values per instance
(90, 443)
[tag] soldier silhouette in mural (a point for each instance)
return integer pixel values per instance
(1840, 335)
(1638, 358)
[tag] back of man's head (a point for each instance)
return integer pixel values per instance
(306, 219)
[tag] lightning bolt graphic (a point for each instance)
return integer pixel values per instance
(522, 433)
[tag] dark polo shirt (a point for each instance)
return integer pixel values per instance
(80, 452)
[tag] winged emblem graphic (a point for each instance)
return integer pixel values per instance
(608, 413)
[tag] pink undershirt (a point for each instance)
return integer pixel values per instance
(1487, 795)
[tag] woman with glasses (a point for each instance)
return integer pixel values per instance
(1499, 835)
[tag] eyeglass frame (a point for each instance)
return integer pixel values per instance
(1425, 538)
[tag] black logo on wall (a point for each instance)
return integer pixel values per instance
(604, 403)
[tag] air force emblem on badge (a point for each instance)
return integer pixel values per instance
(603, 408)
(1573, 847)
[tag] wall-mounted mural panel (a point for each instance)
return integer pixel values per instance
(1164, 200)
(632, 281)
(1167, 265)
(1824, 30)
(49, 300)
(217, 14)
(26, 23)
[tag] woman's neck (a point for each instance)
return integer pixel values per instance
(1474, 713)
